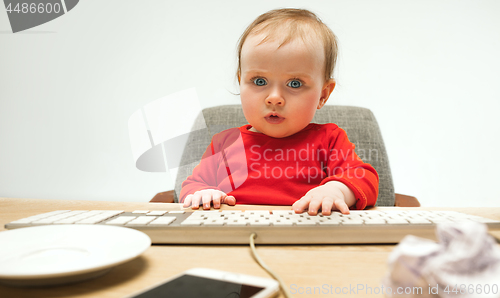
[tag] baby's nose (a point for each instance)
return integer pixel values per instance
(274, 99)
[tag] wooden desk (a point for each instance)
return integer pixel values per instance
(343, 266)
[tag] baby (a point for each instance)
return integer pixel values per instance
(286, 59)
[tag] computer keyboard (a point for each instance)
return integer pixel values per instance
(271, 227)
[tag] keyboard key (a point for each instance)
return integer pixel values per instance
(191, 222)
(283, 223)
(236, 223)
(397, 221)
(141, 220)
(112, 213)
(58, 217)
(352, 222)
(361, 212)
(350, 216)
(196, 215)
(257, 212)
(419, 221)
(306, 223)
(94, 219)
(260, 223)
(316, 218)
(330, 223)
(283, 212)
(163, 221)
(334, 216)
(33, 218)
(372, 221)
(156, 213)
(72, 219)
(233, 212)
(441, 220)
(120, 220)
(213, 223)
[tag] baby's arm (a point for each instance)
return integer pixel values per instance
(206, 196)
(206, 184)
(200, 186)
(350, 181)
(333, 195)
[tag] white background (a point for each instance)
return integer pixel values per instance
(429, 70)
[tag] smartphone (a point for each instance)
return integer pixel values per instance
(209, 283)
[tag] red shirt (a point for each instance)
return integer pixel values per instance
(262, 170)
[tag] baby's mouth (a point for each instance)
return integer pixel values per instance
(274, 119)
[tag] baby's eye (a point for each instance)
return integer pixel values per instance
(294, 84)
(260, 82)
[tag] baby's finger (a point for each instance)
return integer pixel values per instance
(342, 206)
(314, 206)
(187, 201)
(230, 200)
(206, 198)
(195, 200)
(216, 198)
(301, 205)
(326, 206)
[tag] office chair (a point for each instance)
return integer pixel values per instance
(359, 123)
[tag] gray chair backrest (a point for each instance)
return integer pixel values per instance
(359, 123)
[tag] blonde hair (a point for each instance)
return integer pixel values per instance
(289, 24)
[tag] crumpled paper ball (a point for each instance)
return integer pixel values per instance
(464, 263)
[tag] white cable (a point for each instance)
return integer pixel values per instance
(263, 265)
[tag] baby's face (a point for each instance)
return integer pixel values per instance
(281, 87)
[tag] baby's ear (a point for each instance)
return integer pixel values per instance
(321, 103)
(325, 93)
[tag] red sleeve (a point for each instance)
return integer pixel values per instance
(345, 166)
(213, 171)
(204, 174)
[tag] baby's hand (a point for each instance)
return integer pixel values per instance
(332, 195)
(206, 196)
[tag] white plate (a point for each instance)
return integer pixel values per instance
(56, 254)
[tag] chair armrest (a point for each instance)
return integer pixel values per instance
(163, 197)
(405, 201)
